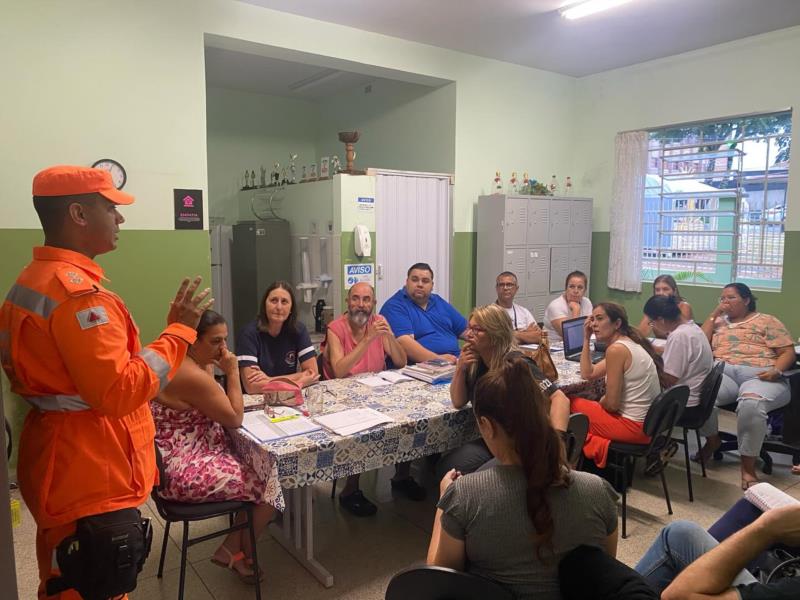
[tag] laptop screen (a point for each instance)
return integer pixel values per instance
(573, 335)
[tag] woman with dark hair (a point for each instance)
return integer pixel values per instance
(687, 354)
(569, 305)
(276, 344)
(633, 372)
(756, 349)
(665, 285)
(190, 415)
(514, 522)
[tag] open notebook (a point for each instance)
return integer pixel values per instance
(384, 378)
(766, 496)
(264, 429)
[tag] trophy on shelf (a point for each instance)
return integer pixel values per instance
(252, 180)
(246, 185)
(568, 186)
(553, 184)
(512, 184)
(336, 165)
(324, 168)
(284, 178)
(263, 182)
(313, 175)
(349, 138)
(292, 168)
(497, 183)
(275, 178)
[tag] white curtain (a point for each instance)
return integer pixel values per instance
(412, 224)
(625, 254)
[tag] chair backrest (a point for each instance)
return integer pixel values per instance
(664, 413)
(708, 392)
(162, 473)
(577, 430)
(441, 583)
(320, 363)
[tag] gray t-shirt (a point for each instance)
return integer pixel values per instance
(487, 510)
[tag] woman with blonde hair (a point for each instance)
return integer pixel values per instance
(490, 339)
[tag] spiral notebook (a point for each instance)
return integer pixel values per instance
(766, 496)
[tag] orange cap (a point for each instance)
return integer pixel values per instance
(67, 180)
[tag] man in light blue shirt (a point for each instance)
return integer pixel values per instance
(425, 324)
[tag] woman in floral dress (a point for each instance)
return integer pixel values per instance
(191, 414)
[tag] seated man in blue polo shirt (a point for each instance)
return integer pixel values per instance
(425, 324)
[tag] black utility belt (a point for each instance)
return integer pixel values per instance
(105, 556)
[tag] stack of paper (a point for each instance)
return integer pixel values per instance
(384, 378)
(432, 371)
(265, 429)
(348, 422)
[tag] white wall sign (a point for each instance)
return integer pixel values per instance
(365, 204)
(359, 273)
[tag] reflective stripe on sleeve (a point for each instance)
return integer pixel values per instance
(31, 300)
(305, 352)
(158, 365)
(57, 403)
(247, 357)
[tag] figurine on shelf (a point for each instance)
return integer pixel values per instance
(263, 176)
(324, 167)
(313, 175)
(526, 182)
(246, 185)
(284, 178)
(512, 183)
(498, 183)
(292, 168)
(304, 176)
(553, 184)
(252, 179)
(336, 166)
(276, 175)
(568, 186)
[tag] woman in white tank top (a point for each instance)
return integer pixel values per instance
(632, 370)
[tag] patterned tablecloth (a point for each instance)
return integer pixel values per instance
(425, 423)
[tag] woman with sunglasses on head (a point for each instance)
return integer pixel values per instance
(756, 348)
(514, 522)
(632, 371)
(665, 285)
(490, 339)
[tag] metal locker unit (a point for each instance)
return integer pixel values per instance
(540, 238)
(260, 254)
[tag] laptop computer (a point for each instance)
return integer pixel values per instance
(573, 340)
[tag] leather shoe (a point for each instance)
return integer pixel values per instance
(357, 504)
(410, 488)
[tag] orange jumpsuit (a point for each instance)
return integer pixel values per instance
(72, 351)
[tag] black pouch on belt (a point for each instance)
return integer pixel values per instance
(105, 556)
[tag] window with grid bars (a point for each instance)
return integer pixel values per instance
(715, 201)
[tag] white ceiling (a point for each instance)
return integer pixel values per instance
(532, 32)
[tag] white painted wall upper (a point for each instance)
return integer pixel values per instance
(90, 79)
(752, 75)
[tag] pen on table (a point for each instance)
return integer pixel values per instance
(286, 418)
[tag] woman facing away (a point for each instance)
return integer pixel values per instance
(569, 305)
(756, 349)
(191, 414)
(665, 285)
(276, 344)
(490, 339)
(632, 370)
(514, 522)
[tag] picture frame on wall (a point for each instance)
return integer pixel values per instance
(324, 167)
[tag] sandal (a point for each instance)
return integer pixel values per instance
(249, 578)
(748, 483)
(657, 462)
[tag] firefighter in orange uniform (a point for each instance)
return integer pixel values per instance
(72, 351)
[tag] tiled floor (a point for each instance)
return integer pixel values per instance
(363, 554)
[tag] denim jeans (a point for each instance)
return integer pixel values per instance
(678, 544)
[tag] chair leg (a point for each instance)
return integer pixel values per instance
(699, 453)
(333, 489)
(688, 464)
(625, 498)
(766, 468)
(666, 492)
(251, 527)
(184, 552)
(163, 550)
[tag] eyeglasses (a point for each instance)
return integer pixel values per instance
(475, 329)
(506, 285)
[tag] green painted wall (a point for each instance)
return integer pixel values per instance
(145, 270)
(703, 299)
(462, 274)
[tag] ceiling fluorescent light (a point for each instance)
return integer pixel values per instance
(314, 80)
(583, 9)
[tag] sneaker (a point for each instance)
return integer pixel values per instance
(357, 504)
(410, 488)
(658, 461)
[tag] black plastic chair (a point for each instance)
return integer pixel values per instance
(172, 511)
(577, 430)
(440, 583)
(695, 417)
(658, 424)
